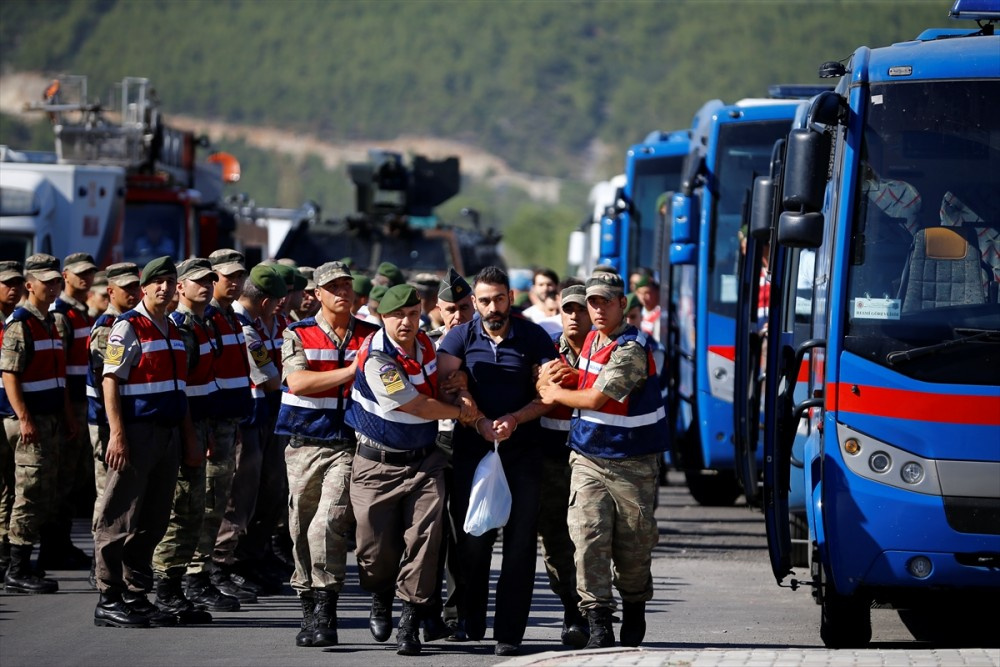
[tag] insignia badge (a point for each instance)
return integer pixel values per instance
(260, 356)
(114, 354)
(392, 381)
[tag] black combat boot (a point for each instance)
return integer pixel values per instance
(602, 635)
(633, 628)
(325, 618)
(140, 604)
(20, 578)
(305, 635)
(407, 639)
(575, 630)
(4, 557)
(434, 626)
(200, 591)
(112, 612)
(222, 579)
(380, 618)
(170, 600)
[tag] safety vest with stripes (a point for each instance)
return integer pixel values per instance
(320, 416)
(395, 428)
(619, 429)
(154, 390)
(95, 400)
(201, 389)
(43, 380)
(232, 369)
(78, 354)
(558, 418)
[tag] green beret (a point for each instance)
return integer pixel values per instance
(454, 288)
(633, 301)
(646, 281)
(293, 279)
(267, 279)
(396, 297)
(362, 285)
(392, 272)
(378, 291)
(157, 268)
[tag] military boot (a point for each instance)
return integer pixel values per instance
(633, 628)
(170, 600)
(305, 635)
(112, 612)
(4, 557)
(140, 604)
(575, 630)
(325, 618)
(407, 639)
(222, 580)
(200, 591)
(602, 635)
(380, 617)
(20, 578)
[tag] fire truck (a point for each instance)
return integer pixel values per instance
(121, 184)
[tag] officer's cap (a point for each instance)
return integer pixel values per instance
(123, 274)
(11, 270)
(396, 297)
(157, 268)
(454, 287)
(330, 271)
(391, 272)
(378, 291)
(79, 262)
(573, 294)
(227, 261)
(293, 279)
(42, 267)
(267, 279)
(605, 284)
(196, 268)
(100, 281)
(362, 284)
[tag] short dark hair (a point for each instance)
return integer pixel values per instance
(492, 275)
(253, 293)
(569, 281)
(548, 273)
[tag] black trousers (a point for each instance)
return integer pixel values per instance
(522, 466)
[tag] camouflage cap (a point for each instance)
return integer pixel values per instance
(309, 273)
(362, 284)
(123, 274)
(330, 271)
(227, 261)
(11, 270)
(378, 291)
(605, 284)
(391, 272)
(196, 268)
(42, 267)
(573, 294)
(100, 281)
(79, 262)
(267, 279)
(454, 287)
(396, 297)
(157, 268)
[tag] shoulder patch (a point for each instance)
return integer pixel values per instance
(260, 355)
(391, 380)
(114, 354)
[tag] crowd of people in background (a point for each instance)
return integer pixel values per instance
(239, 428)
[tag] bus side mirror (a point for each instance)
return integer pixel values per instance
(681, 230)
(762, 207)
(800, 230)
(610, 233)
(806, 162)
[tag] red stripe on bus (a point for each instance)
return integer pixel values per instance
(916, 405)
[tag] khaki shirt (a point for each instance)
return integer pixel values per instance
(625, 371)
(17, 343)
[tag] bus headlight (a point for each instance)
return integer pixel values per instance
(880, 462)
(912, 472)
(920, 567)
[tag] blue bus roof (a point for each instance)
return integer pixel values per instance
(949, 58)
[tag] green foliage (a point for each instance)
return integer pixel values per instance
(19, 135)
(538, 236)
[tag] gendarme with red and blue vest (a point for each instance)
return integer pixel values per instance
(633, 427)
(154, 390)
(43, 380)
(395, 428)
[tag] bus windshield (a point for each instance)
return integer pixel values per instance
(744, 152)
(925, 244)
(652, 178)
(154, 229)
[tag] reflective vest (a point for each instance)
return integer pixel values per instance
(260, 413)
(155, 387)
(633, 427)
(78, 354)
(95, 394)
(232, 370)
(43, 380)
(201, 389)
(395, 428)
(557, 419)
(321, 416)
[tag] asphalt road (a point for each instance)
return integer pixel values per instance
(714, 589)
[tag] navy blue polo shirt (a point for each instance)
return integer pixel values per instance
(501, 376)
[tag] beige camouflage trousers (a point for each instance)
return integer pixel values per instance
(36, 470)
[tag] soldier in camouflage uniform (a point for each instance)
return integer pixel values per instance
(37, 417)
(11, 291)
(617, 433)
(123, 295)
(318, 366)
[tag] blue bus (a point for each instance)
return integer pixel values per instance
(891, 189)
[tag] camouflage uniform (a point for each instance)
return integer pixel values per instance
(612, 502)
(99, 432)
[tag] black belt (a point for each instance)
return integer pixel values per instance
(393, 458)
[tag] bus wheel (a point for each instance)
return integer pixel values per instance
(718, 490)
(846, 620)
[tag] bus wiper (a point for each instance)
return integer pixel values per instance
(905, 355)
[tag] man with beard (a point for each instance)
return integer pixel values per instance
(499, 353)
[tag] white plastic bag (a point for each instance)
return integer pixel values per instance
(489, 502)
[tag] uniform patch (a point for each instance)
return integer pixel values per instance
(114, 354)
(260, 356)
(392, 381)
